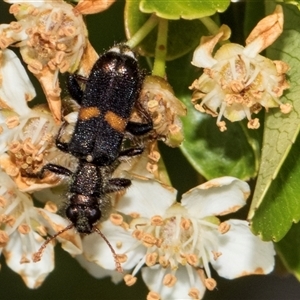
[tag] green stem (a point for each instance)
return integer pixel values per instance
(142, 32)
(210, 24)
(161, 49)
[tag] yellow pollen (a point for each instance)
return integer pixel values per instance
(119, 245)
(138, 234)
(159, 242)
(216, 254)
(152, 105)
(12, 122)
(194, 293)
(157, 221)
(286, 108)
(163, 261)
(185, 224)
(9, 220)
(28, 147)
(86, 113)
(153, 296)
(210, 284)
(154, 155)
(192, 259)
(3, 238)
(151, 168)
(173, 129)
(157, 119)
(24, 260)
(14, 147)
(148, 240)
(222, 126)
(129, 279)
(224, 227)
(122, 258)
(169, 280)
(64, 66)
(29, 160)
(134, 215)
(51, 207)
(253, 123)
(24, 229)
(125, 225)
(35, 66)
(2, 201)
(236, 86)
(116, 219)
(151, 259)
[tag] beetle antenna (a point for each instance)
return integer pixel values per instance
(38, 255)
(118, 264)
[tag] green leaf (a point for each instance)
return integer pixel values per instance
(281, 205)
(288, 250)
(183, 35)
(211, 152)
(214, 153)
(280, 134)
(188, 9)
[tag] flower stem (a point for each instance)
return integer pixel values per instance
(142, 32)
(210, 24)
(161, 49)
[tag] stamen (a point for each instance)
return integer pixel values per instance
(151, 259)
(210, 284)
(153, 296)
(130, 280)
(224, 227)
(4, 238)
(194, 293)
(169, 280)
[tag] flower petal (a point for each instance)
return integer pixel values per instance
(243, 253)
(187, 278)
(96, 250)
(202, 57)
(98, 272)
(147, 198)
(218, 196)
(265, 33)
(14, 75)
(33, 274)
(70, 240)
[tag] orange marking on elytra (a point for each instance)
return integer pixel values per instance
(115, 121)
(87, 113)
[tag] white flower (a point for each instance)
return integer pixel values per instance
(52, 38)
(27, 143)
(237, 81)
(177, 242)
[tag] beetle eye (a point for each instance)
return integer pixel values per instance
(72, 213)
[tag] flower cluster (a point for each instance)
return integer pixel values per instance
(27, 143)
(172, 243)
(237, 81)
(176, 242)
(52, 39)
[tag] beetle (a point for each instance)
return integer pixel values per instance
(111, 92)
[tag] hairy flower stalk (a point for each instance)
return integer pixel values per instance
(237, 81)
